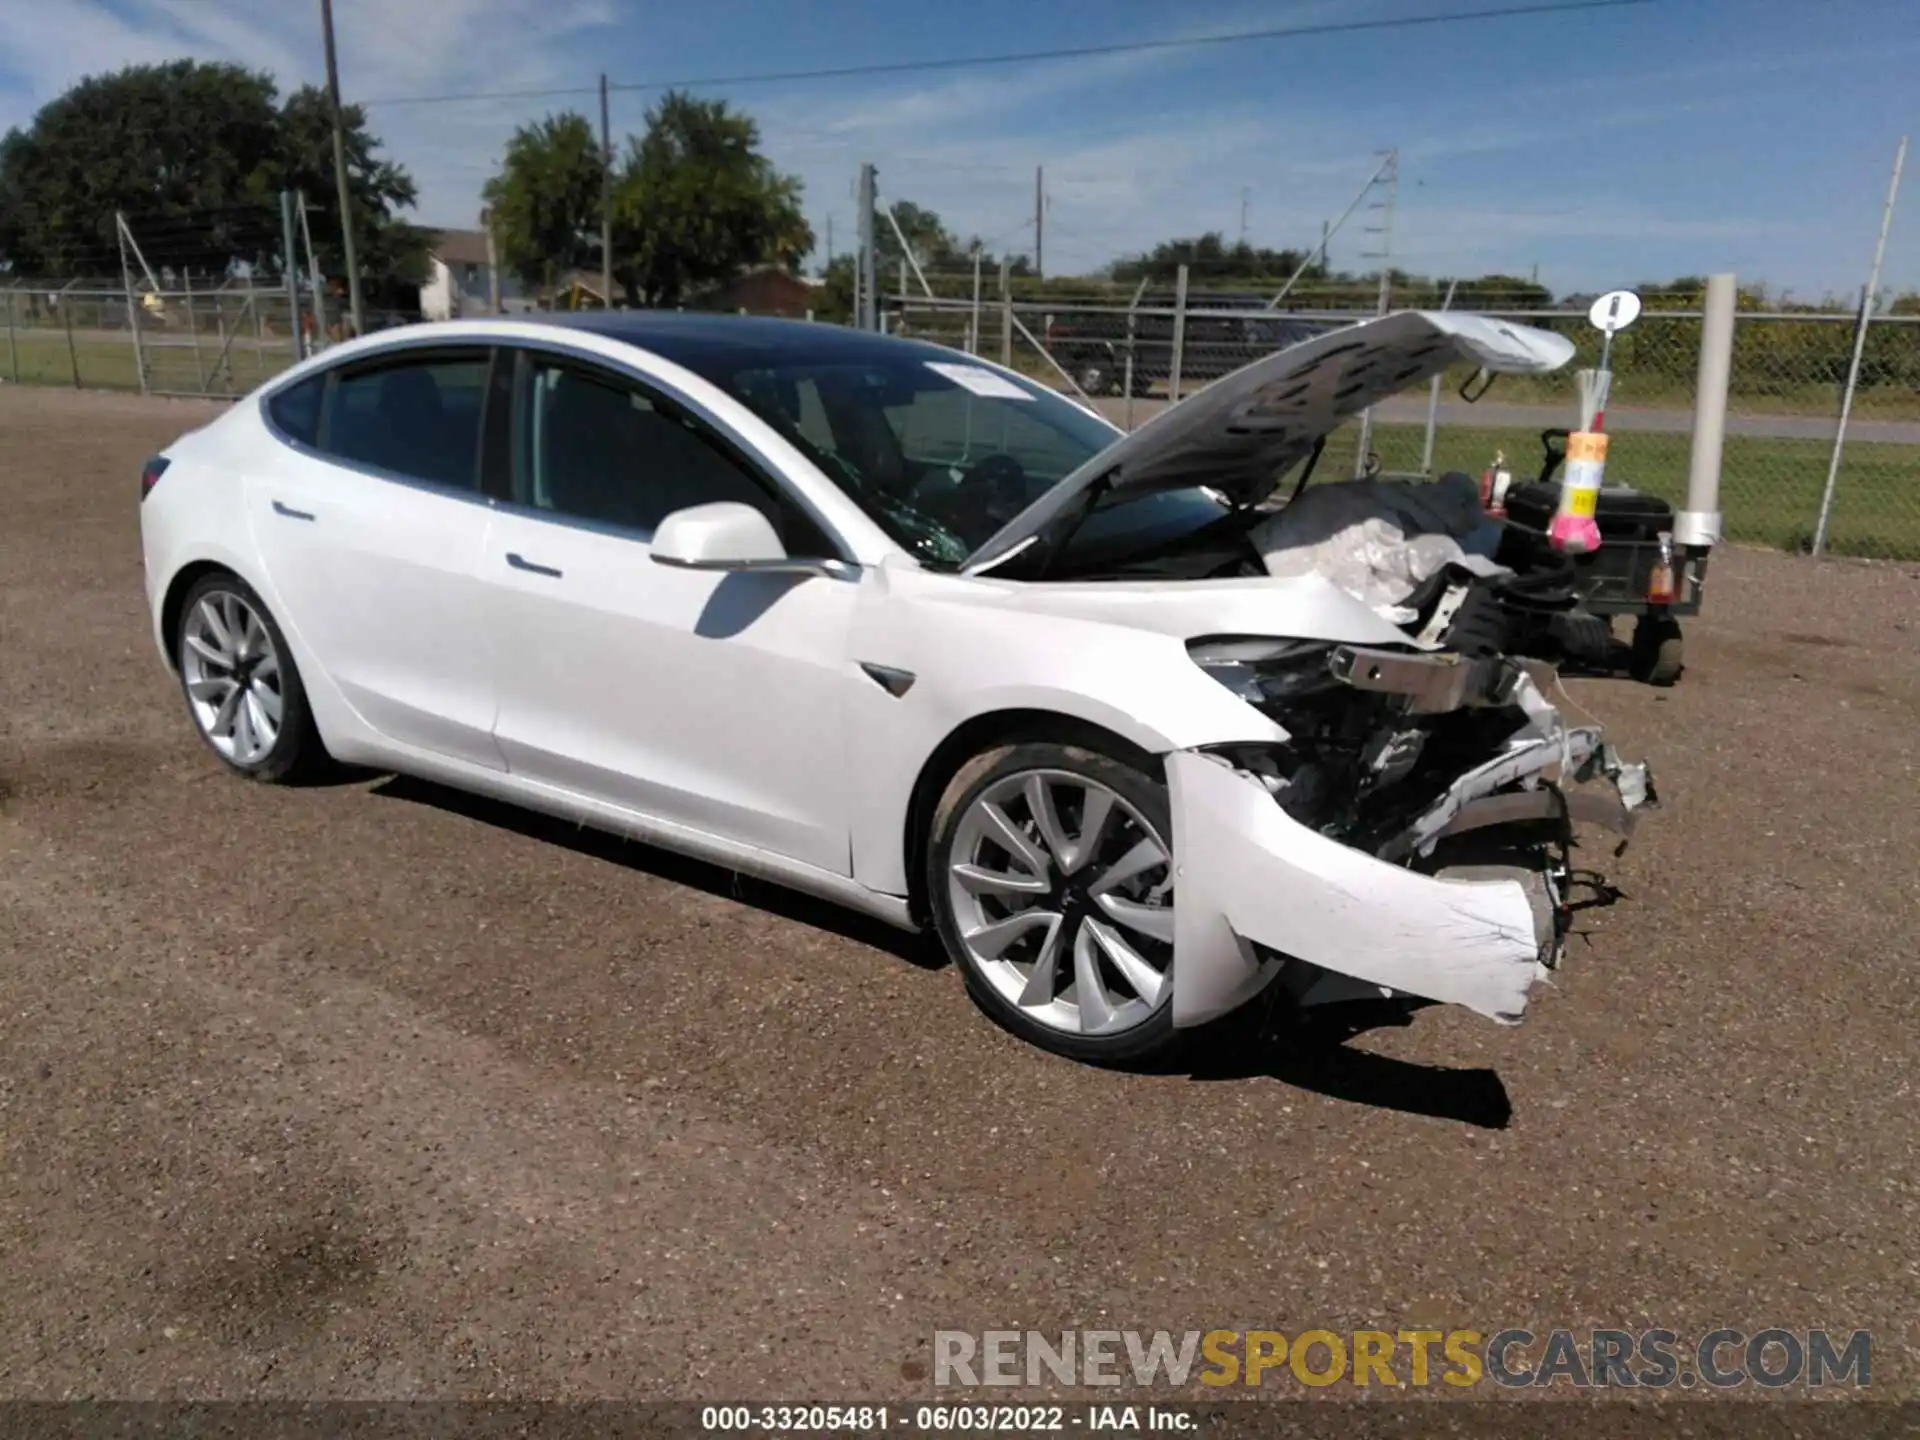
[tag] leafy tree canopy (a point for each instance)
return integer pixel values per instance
(544, 204)
(696, 203)
(194, 154)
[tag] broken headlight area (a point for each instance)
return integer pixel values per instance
(1373, 736)
(1267, 674)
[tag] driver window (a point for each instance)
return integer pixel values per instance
(594, 447)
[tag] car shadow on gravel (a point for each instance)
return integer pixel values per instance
(1309, 1050)
(918, 950)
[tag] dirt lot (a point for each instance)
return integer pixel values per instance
(371, 1090)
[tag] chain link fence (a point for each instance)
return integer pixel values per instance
(1131, 350)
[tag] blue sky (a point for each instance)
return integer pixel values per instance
(1606, 147)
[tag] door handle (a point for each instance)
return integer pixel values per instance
(290, 512)
(520, 562)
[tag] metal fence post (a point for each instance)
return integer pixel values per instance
(973, 323)
(259, 333)
(1179, 334)
(13, 345)
(66, 314)
(292, 275)
(1859, 347)
(1133, 332)
(1699, 523)
(1433, 398)
(133, 309)
(193, 332)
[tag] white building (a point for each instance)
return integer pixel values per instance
(460, 279)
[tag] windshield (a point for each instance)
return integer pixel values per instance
(941, 452)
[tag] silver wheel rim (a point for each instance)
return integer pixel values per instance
(1062, 893)
(233, 677)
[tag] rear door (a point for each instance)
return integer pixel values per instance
(371, 524)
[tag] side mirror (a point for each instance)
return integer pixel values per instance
(729, 536)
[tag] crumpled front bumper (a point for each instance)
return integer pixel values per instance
(1252, 881)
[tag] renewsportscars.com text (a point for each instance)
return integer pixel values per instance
(1511, 1358)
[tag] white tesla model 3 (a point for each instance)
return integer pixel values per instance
(900, 628)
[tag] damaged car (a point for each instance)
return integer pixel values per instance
(1138, 724)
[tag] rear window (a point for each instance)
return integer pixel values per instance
(295, 411)
(419, 418)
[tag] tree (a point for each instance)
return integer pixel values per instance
(389, 251)
(1210, 260)
(544, 205)
(189, 150)
(195, 156)
(696, 203)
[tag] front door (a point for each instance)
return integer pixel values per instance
(708, 700)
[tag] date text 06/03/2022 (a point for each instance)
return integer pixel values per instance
(943, 1418)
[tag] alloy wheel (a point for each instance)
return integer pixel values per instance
(1062, 893)
(233, 677)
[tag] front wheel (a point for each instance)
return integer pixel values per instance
(1051, 881)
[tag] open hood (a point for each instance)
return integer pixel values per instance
(1243, 432)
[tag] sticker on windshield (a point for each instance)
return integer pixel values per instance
(980, 381)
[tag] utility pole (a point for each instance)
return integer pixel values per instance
(829, 242)
(606, 200)
(1244, 191)
(1388, 176)
(340, 174)
(868, 267)
(1039, 221)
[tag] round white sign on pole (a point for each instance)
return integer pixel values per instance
(1614, 311)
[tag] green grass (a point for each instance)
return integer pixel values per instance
(43, 358)
(1769, 489)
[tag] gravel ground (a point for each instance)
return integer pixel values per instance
(371, 1090)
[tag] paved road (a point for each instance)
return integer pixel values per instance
(1491, 414)
(371, 1090)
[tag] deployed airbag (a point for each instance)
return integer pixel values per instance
(1380, 540)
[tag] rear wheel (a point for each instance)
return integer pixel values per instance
(1051, 881)
(1657, 656)
(242, 689)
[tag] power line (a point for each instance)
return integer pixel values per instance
(902, 67)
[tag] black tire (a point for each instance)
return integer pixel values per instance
(1095, 377)
(1657, 656)
(297, 752)
(1153, 1037)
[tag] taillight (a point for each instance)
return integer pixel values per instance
(151, 473)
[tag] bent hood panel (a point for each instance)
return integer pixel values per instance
(1241, 433)
(1304, 607)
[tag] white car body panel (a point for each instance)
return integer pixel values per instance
(705, 700)
(1249, 873)
(780, 723)
(348, 553)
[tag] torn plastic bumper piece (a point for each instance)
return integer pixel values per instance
(1248, 875)
(1252, 880)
